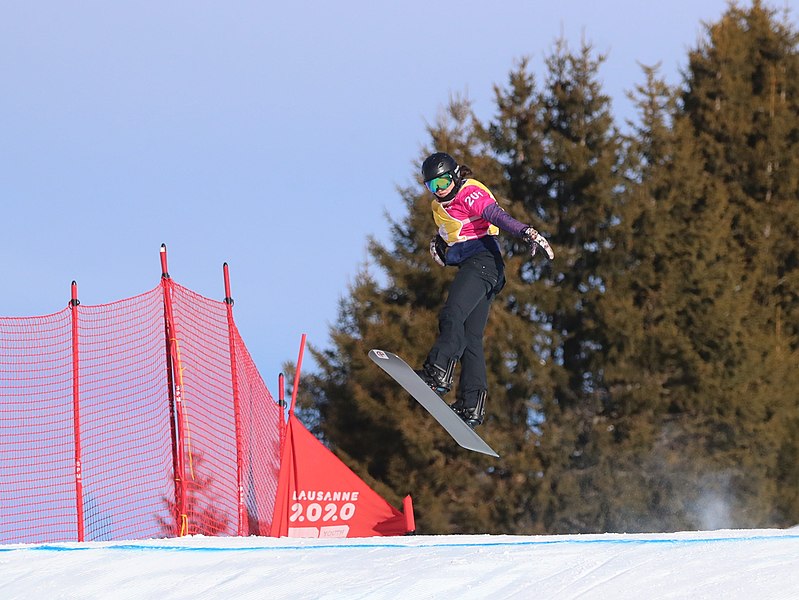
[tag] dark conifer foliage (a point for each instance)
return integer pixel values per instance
(740, 114)
(646, 379)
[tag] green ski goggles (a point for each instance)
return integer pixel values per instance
(439, 183)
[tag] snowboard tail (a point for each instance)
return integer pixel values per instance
(399, 370)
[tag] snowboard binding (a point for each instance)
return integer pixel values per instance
(471, 415)
(438, 378)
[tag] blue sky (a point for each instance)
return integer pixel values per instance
(269, 135)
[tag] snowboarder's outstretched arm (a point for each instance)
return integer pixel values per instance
(495, 215)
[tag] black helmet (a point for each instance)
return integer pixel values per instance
(438, 164)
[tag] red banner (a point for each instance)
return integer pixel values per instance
(319, 496)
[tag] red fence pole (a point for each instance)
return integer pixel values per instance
(297, 375)
(175, 400)
(407, 510)
(281, 402)
(234, 381)
(73, 305)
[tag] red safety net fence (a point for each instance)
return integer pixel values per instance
(121, 421)
(147, 418)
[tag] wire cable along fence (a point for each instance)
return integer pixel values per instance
(136, 419)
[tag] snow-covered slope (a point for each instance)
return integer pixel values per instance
(746, 564)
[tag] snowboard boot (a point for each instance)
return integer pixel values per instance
(471, 411)
(439, 379)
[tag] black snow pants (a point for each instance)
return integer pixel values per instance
(463, 318)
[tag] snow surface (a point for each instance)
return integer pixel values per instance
(728, 564)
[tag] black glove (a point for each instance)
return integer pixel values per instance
(438, 250)
(535, 239)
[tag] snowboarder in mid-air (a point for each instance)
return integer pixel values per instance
(468, 219)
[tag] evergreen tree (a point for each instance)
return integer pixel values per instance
(698, 338)
(645, 379)
(666, 254)
(563, 156)
(683, 413)
(741, 112)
